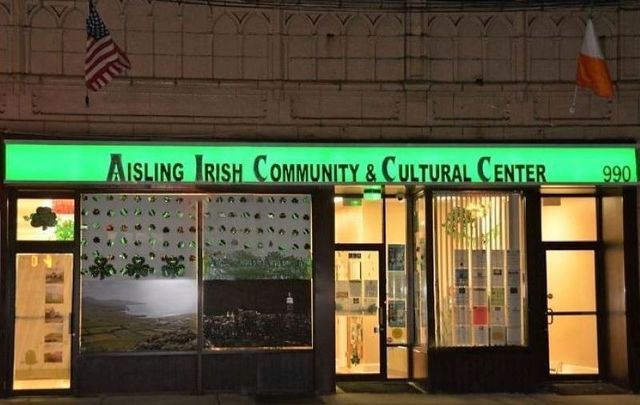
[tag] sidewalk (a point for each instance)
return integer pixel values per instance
(337, 399)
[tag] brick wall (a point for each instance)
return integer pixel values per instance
(286, 74)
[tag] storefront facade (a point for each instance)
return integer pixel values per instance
(274, 199)
(283, 268)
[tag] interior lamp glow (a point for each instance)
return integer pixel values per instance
(372, 193)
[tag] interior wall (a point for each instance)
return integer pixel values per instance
(616, 324)
(358, 223)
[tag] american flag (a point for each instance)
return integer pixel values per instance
(104, 59)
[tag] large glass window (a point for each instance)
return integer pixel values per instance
(139, 272)
(45, 219)
(257, 271)
(480, 285)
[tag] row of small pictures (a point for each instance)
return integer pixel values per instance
(54, 336)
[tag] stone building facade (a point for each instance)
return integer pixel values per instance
(272, 74)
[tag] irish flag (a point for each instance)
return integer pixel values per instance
(592, 68)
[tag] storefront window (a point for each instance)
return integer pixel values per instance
(139, 272)
(480, 285)
(257, 271)
(558, 219)
(420, 271)
(45, 219)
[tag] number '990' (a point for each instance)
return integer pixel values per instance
(616, 173)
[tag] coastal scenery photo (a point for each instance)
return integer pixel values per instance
(139, 288)
(124, 315)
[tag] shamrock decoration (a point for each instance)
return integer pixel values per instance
(101, 268)
(43, 217)
(137, 268)
(174, 268)
(461, 223)
(458, 223)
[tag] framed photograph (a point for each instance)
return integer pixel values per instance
(53, 357)
(52, 316)
(53, 333)
(54, 294)
(395, 258)
(371, 288)
(54, 276)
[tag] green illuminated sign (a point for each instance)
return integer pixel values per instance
(49, 162)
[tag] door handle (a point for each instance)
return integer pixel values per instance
(549, 316)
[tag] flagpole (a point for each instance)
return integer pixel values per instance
(572, 107)
(86, 90)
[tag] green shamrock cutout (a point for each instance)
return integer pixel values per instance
(101, 268)
(173, 268)
(137, 268)
(43, 217)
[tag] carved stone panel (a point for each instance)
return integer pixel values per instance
(471, 107)
(156, 104)
(556, 106)
(347, 105)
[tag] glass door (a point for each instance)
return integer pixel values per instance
(571, 312)
(359, 316)
(42, 348)
(44, 259)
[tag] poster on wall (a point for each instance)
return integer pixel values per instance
(514, 336)
(480, 277)
(462, 277)
(395, 256)
(480, 315)
(497, 278)
(479, 259)
(513, 278)
(460, 259)
(497, 296)
(397, 313)
(498, 335)
(479, 296)
(463, 335)
(461, 297)
(462, 315)
(513, 259)
(371, 288)
(497, 316)
(342, 295)
(481, 335)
